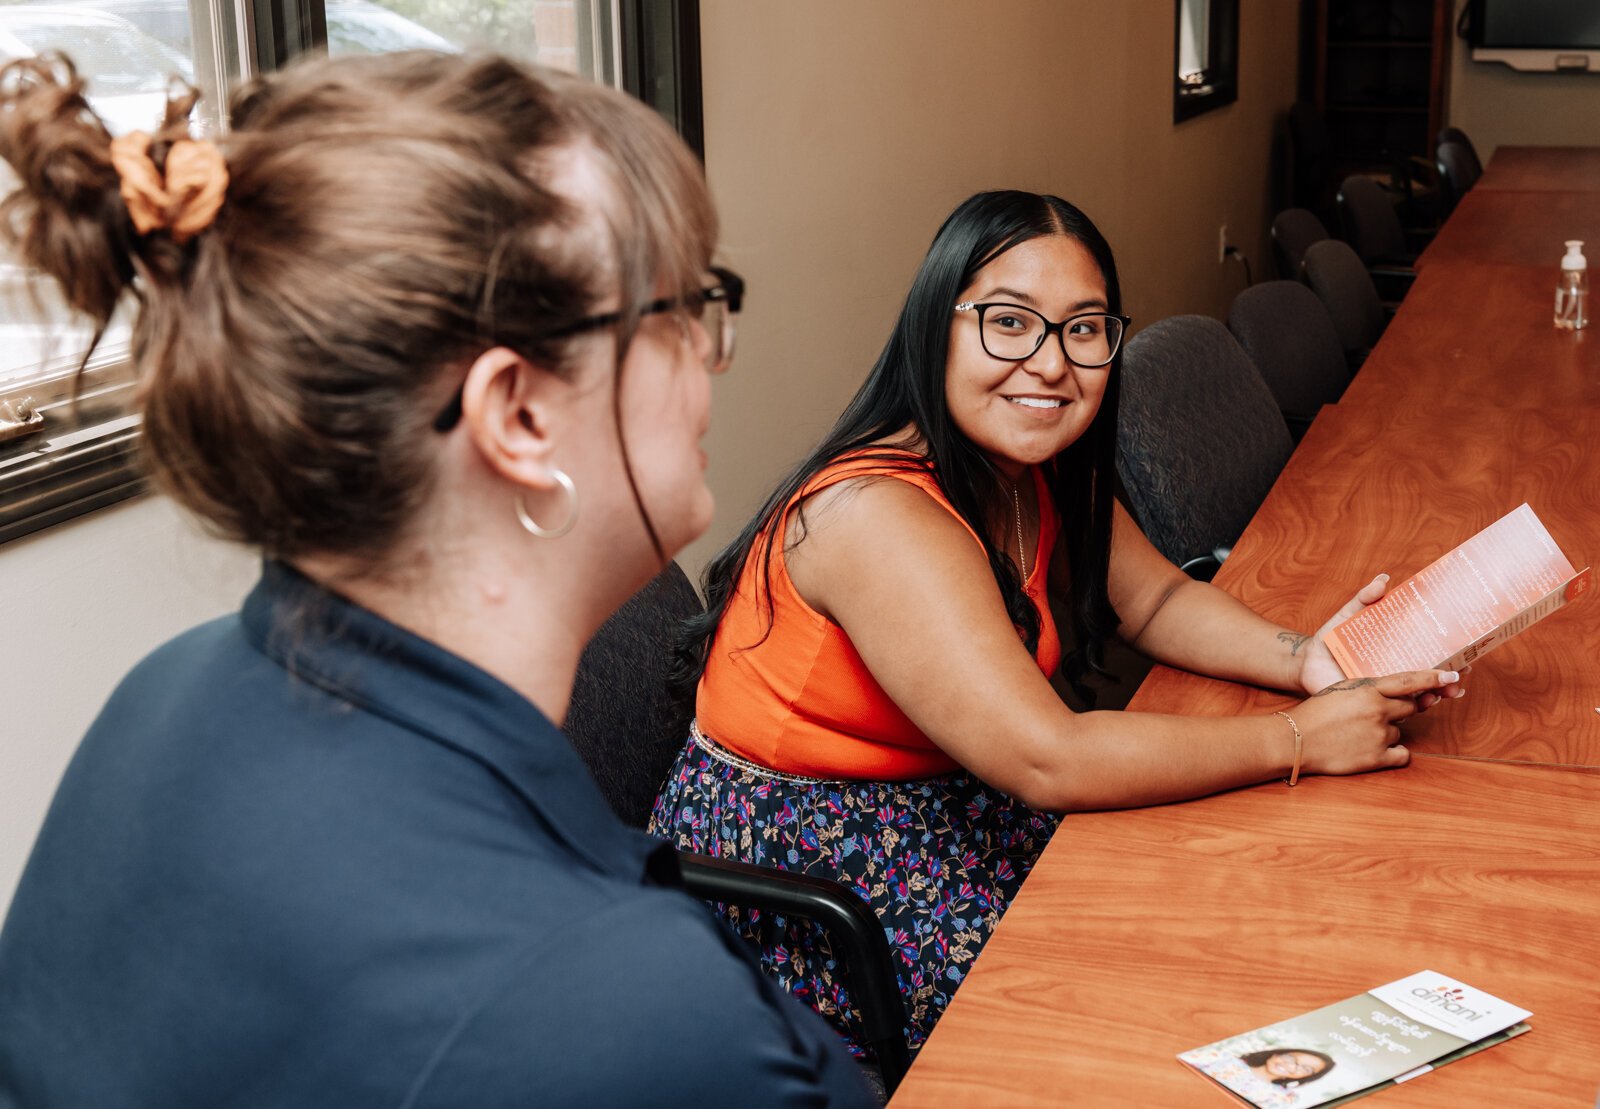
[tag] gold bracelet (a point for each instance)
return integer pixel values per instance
(1294, 771)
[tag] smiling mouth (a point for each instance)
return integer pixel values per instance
(1038, 402)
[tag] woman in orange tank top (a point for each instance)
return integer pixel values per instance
(873, 703)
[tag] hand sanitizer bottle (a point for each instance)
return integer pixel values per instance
(1572, 292)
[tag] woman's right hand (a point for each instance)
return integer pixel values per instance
(1353, 726)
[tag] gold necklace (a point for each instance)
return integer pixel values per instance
(1022, 558)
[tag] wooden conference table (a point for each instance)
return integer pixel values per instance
(1478, 335)
(1517, 228)
(1532, 168)
(1145, 933)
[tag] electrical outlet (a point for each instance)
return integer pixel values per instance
(1222, 243)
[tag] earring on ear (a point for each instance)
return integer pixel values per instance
(565, 526)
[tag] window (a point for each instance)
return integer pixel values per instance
(574, 35)
(1207, 51)
(661, 61)
(59, 459)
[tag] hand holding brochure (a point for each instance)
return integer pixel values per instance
(1391, 1034)
(1504, 579)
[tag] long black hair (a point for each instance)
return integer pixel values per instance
(907, 387)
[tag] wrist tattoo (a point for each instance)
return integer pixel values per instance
(1295, 641)
(1347, 684)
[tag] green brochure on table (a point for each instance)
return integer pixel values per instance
(1388, 1035)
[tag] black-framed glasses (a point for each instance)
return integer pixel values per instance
(715, 307)
(1012, 333)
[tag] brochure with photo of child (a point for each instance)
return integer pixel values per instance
(1388, 1035)
(1497, 584)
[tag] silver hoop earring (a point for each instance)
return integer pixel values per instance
(565, 526)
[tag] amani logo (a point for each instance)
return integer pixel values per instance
(1448, 998)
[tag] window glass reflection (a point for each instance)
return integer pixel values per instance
(128, 51)
(564, 34)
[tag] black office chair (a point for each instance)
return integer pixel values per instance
(1456, 173)
(1370, 224)
(1457, 135)
(1345, 288)
(1293, 230)
(628, 726)
(1286, 331)
(1199, 439)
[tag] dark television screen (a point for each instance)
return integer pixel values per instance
(1537, 24)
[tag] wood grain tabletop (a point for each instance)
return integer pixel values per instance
(1142, 934)
(1523, 228)
(1389, 489)
(1482, 335)
(1546, 168)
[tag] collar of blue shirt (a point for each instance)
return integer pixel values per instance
(351, 653)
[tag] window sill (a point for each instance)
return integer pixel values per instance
(83, 457)
(1190, 102)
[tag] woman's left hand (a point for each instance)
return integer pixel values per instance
(1318, 670)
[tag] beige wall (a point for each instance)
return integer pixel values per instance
(840, 133)
(1496, 106)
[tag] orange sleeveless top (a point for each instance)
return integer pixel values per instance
(802, 701)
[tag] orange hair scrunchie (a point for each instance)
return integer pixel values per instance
(186, 201)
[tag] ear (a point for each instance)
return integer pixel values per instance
(512, 411)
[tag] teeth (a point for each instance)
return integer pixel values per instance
(1035, 402)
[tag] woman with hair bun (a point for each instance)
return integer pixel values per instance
(873, 703)
(434, 334)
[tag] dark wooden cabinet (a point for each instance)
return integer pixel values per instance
(1380, 70)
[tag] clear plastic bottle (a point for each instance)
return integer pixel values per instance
(1572, 292)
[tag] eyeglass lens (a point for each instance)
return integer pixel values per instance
(1014, 333)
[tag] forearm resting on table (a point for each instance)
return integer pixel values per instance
(1122, 760)
(1200, 628)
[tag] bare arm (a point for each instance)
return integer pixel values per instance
(1195, 626)
(914, 593)
(1191, 624)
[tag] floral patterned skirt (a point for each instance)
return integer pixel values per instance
(938, 859)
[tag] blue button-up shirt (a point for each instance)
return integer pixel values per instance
(306, 858)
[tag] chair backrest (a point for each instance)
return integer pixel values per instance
(1371, 225)
(1457, 135)
(624, 720)
(1346, 290)
(1199, 437)
(1294, 229)
(1289, 336)
(1456, 173)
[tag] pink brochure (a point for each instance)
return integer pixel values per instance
(1504, 579)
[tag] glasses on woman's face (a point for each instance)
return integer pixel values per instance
(1012, 333)
(714, 307)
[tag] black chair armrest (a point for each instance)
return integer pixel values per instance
(1393, 281)
(1356, 358)
(851, 925)
(1298, 424)
(1204, 567)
